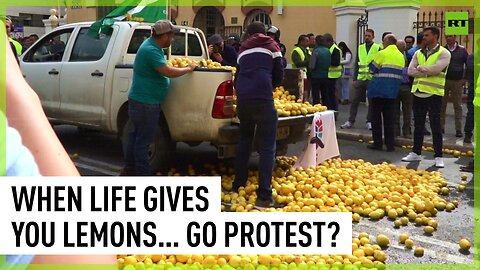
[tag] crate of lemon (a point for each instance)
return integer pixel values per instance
(288, 105)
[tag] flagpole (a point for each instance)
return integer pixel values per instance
(169, 16)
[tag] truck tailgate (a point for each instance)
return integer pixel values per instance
(289, 130)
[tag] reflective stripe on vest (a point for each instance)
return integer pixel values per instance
(434, 85)
(301, 53)
(335, 72)
(364, 60)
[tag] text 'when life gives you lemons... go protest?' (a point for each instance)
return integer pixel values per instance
(174, 215)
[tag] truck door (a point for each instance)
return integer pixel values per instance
(82, 84)
(42, 66)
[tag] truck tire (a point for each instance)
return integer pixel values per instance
(161, 152)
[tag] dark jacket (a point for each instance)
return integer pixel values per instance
(229, 55)
(259, 69)
(320, 63)
(457, 63)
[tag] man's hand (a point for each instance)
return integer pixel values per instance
(210, 49)
(218, 57)
(421, 69)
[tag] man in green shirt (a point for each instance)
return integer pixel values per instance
(150, 86)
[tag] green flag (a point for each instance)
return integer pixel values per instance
(133, 10)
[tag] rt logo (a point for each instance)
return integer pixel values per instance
(456, 23)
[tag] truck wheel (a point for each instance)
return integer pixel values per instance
(160, 153)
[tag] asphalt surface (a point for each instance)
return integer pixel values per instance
(98, 154)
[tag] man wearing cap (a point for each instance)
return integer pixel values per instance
(259, 70)
(274, 33)
(13, 43)
(150, 86)
(221, 52)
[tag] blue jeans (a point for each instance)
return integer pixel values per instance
(332, 99)
(263, 116)
(144, 119)
(344, 86)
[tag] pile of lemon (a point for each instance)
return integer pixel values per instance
(288, 105)
(204, 63)
(368, 191)
(364, 253)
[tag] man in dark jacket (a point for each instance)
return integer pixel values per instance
(274, 33)
(221, 52)
(259, 70)
(455, 82)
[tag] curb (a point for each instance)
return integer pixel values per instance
(399, 141)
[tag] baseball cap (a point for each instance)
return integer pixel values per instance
(272, 29)
(163, 26)
(215, 39)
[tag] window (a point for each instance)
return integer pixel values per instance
(138, 37)
(194, 46)
(50, 48)
(258, 15)
(178, 44)
(87, 48)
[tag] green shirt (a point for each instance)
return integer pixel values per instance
(149, 86)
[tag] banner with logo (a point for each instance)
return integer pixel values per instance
(322, 142)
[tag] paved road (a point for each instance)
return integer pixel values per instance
(102, 155)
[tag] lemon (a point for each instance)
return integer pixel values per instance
(397, 223)
(465, 244)
(383, 240)
(428, 229)
(404, 237)
(392, 214)
(419, 251)
(380, 255)
(409, 243)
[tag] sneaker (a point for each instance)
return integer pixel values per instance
(347, 125)
(369, 126)
(412, 157)
(439, 162)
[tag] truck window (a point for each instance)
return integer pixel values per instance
(194, 46)
(138, 37)
(178, 44)
(51, 48)
(87, 48)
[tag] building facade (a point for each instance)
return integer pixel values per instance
(224, 19)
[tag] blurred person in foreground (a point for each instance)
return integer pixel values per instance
(33, 149)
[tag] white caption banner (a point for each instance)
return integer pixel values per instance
(154, 215)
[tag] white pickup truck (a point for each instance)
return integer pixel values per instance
(84, 82)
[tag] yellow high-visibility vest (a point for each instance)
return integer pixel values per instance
(335, 72)
(364, 60)
(301, 53)
(18, 46)
(476, 99)
(434, 85)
